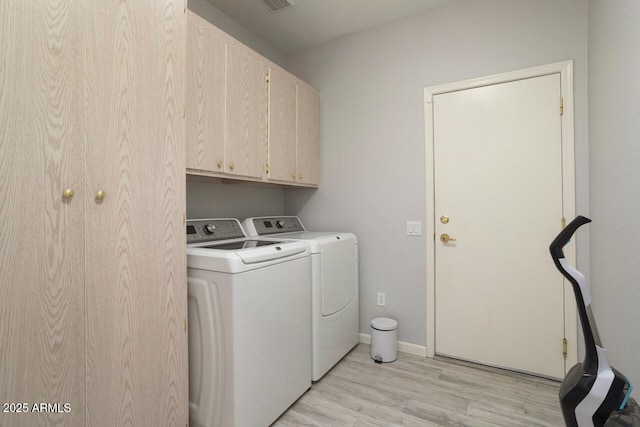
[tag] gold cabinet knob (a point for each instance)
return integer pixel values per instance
(300, 177)
(68, 193)
(266, 168)
(445, 238)
(100, 195)
(293, 175)
(219, 164)
(231, 166)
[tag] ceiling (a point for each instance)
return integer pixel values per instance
(310, 22)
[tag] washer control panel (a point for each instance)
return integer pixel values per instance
(211, 230)
(275, 224)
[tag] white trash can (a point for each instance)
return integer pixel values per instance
(384, 339)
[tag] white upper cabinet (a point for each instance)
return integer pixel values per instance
(247, 118)
(307, 135)
(282, 126)
(206, 50)
(246, 113)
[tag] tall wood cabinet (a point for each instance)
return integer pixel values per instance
(42, 250)
(270, 131)
(92, 201)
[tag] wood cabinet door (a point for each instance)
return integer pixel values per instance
(308, 134)
(246, 115)
(41, 255)
(136, 293)
(282, 126)
(206, 56)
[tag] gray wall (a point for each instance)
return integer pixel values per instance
(372, 128)
(211, 199)
(614, 137)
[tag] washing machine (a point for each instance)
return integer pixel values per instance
(334, 285)
(249, 325)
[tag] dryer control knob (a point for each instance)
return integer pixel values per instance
(280, 224)
(209, 229)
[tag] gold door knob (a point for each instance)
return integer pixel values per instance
(231, 166)
(219, 164)
(444, 219)
(100, 195)
(68, 193)
(445, 238)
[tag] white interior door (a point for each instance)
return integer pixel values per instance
(498, 180)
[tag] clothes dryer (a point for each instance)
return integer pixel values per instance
(334, 285)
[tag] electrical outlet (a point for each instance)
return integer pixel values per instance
(381, 299)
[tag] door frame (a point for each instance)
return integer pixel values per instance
(565, 69)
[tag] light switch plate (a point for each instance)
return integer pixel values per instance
(414, 228)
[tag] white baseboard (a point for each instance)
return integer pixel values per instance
(365, 339)
(404, 347)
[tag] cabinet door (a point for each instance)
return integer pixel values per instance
(246, 119)
(282, 126)
(136, 274)
(205, 95)
(41, 255)
(308, 134)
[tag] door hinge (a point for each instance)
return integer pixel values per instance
(266, 77)
(564, 348)
(185, 6)
(184, 111)
(563, 223)
(185, 325)
(561, 106)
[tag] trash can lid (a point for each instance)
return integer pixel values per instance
(384, 324)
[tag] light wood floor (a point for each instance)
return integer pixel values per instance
(415, 391)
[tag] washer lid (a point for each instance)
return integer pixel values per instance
(384, 324)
